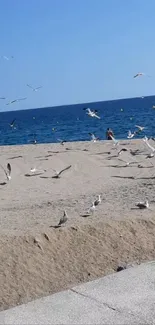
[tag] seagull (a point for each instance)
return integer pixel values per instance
(34, 170)
(2, 98)
(139, 74)
(97, 201)
(140, 128)
(63, 220)
(115, 141)
(93, 137)
(92, 208)
(146, 141)
(130, 135)
(6, 57)
(59, 173)
(16, 100)
(34, 89)
(61, 141)
(7, 172)
(92, 113)
(142, 205)
(12, 123)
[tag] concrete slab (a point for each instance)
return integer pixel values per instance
(127, 297)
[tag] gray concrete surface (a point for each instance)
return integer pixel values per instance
(127, 297)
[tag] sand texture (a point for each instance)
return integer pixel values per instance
(37, 259)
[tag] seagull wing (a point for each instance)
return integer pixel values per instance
(38, 87)
(21, 99)
(13, 122)
(4, 170)
(65, 169)
(29, 86)
(97, 116)
(146, 141)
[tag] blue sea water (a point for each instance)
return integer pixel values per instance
(71, 123)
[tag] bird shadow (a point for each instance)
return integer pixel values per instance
(128, 177)
(16, 157)
(55, 227)
(3, 183)
(32, 175)
(85, 215)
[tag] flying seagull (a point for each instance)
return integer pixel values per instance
(142, 205)
(6, 57)
(2, 98)
(34, 89)
(59, 173)
(130, 135)
(34, 170)
(115, 141)
(12, 123)
(7, 172)
(93, 137)
(61, 141)
(146, 141)
(139, 74)
(91, 113)
(140, 128)
(16, 100)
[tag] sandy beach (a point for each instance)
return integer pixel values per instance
(36, 259)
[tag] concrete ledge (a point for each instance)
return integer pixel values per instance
(127, 297)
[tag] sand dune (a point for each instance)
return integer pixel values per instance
(37, 260)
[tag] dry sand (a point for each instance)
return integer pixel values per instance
(36, 259)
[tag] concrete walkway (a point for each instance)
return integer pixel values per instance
(127, 297)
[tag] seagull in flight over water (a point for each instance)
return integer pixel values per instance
(91, 113)
(16, 100)
(34, 89)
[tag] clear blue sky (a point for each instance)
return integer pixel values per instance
(78, 50)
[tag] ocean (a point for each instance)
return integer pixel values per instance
(71, 123)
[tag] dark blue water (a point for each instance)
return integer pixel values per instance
(71, 123)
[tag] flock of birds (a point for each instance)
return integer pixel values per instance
(20, 99)
(93, 114)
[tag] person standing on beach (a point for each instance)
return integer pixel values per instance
(109, 134)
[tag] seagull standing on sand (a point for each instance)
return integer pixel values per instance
(16, 100)
(142, 205)
(91, 113)
(62, 221)
(34, 89)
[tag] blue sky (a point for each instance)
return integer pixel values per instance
(78, 50)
